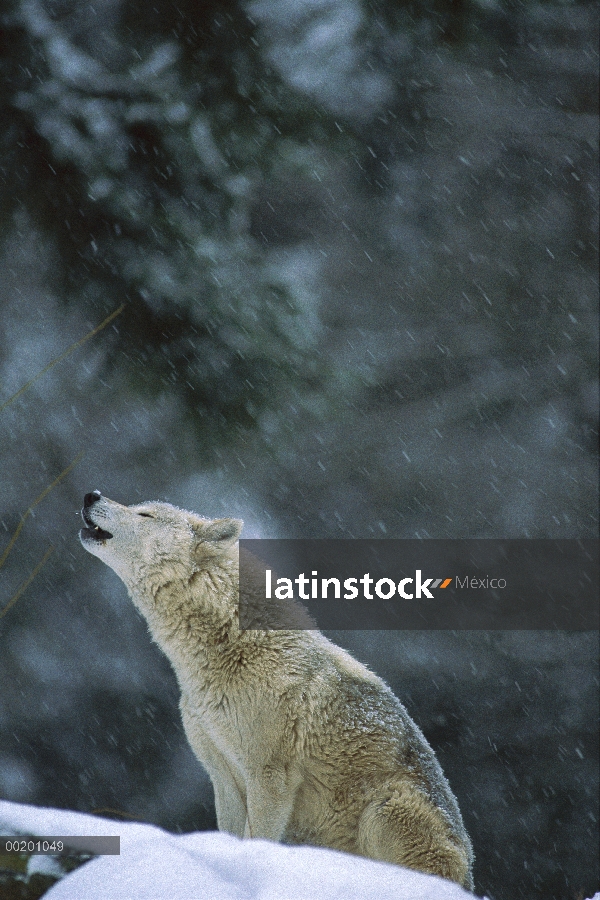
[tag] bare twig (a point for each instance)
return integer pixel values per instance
(37, 500)
(109, 811)
(26, 583)
(58, 359)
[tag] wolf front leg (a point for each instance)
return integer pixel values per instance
(229, 802)
(270, 800)
(229, 799)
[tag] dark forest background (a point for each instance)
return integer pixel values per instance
(335, 262)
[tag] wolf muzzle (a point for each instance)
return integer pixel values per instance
(92, 531)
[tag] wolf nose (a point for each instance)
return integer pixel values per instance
(90, 499)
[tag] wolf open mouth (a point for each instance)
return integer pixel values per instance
(93, 531)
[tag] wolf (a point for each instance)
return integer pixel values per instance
(303, 744)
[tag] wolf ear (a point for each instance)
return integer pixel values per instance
(223, 532)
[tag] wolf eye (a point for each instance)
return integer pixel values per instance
(146, 515)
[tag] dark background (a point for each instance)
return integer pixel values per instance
(356, 247)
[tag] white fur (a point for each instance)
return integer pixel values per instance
(302, 743)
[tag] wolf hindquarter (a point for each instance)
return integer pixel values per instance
(302, 743)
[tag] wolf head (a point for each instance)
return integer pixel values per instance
(153, 542)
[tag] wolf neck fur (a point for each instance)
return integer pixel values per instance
(189, 618)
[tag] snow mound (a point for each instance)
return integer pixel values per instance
(155, 864)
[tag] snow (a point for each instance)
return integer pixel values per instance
(154, 864)
(319, 47)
